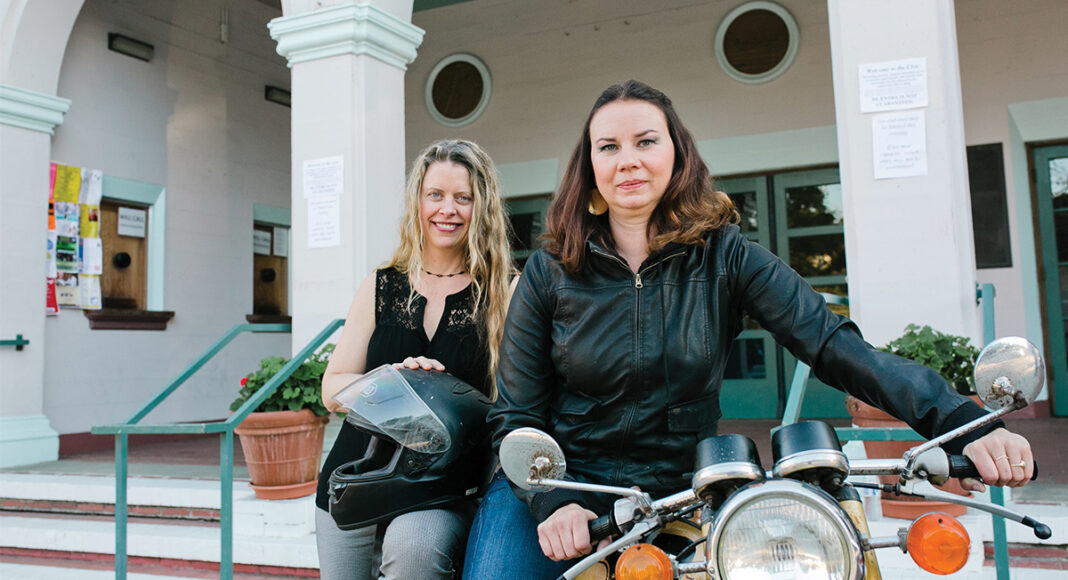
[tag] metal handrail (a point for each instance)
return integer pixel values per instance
(18, 342)
(225, 429)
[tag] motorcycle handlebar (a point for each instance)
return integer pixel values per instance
(602, 528)
(961, 466)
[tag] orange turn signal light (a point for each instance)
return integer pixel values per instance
(938, 543)
(643, 562)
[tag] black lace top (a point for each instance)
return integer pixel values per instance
(399, 333)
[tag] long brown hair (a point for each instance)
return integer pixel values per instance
(487, 254)
(689, 209)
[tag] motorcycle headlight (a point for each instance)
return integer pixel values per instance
(783, 529)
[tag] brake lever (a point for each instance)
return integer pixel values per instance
(927, 490)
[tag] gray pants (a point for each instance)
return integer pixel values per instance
(422, 544)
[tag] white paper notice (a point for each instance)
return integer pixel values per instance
(899, 144)
(324, 176)
(132, 222)
(95, 189)
(261, 242)
(893, 85)
(324, 221)
(281, 242)
(92, 257)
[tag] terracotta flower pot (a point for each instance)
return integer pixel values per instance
(899, 506)
(282, 450)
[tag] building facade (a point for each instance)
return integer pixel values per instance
(782, 97)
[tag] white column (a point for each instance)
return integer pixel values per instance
(348, 66)
(909, 240)
(27, 121)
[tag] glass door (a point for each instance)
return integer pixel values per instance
(1051, 189)
(812, 242)
(798, 217)
(753, 374)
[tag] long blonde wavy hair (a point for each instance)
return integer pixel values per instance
(487, 253)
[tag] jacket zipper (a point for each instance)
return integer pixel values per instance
(638, 285)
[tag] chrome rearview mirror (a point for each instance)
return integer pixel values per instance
(1009, 373)
(529, 455)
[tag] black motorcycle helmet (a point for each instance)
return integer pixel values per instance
(429, 445)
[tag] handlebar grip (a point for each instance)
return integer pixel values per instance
(961, 466)
(601, 528)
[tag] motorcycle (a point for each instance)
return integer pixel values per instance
(804, 518)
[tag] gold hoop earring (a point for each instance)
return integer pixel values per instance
(597, 205)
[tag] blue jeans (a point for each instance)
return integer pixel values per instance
(504, 540)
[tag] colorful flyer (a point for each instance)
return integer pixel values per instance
(51, 255)
(51, 307)
(67, 293)
(89, 224)
(68, 184)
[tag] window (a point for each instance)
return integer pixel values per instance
(132, 295)
(124, 280)
(756, 42)
(270, 265)
(458, 90)
(990, 215)
(527, 217)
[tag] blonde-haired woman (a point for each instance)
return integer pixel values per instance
(439, 304)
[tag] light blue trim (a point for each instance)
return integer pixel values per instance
(358, 29)
(768, 152)
(154, 196)
(529, 177)
(31, 110)
(268, 214)
(27, 439)
(157, 216)
(1030, 122)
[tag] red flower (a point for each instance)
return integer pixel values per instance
(243, 381)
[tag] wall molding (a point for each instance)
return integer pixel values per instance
(357, 29)
(31, 110)
(27, 439)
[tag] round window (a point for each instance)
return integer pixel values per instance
(756, 42)
(458, 90)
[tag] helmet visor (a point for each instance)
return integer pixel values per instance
(385, 400)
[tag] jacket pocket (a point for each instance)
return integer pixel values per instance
(577, 408)
(693, 416)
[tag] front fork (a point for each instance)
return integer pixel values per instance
(850, 501)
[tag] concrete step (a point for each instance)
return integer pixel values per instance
(66, 517)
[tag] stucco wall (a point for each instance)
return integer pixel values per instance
(548, 65)
(194, 121)
(1012, 53)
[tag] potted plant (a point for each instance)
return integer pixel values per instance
(283, 438)
(952, 357)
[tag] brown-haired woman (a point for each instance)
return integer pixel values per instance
(618, 335)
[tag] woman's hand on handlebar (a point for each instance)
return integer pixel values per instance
(1002, 458)
(420, 362)
(565, 535)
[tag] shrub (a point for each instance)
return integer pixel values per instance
(300, 391)
(951, 356)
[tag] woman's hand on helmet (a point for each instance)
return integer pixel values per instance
(420, 362)
(565, 535)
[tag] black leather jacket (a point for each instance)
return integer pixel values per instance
(624, 369)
